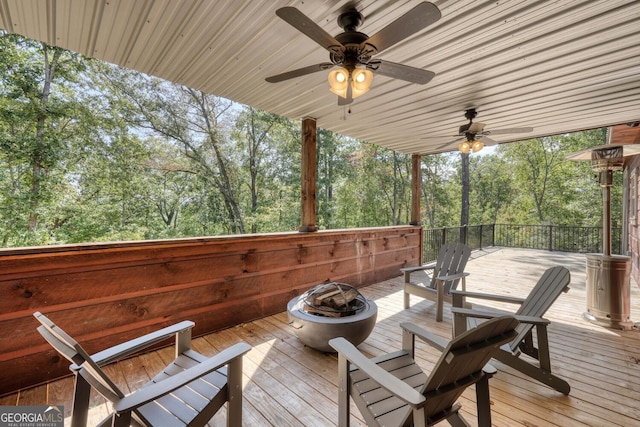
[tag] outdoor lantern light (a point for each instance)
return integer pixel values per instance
(360, 80)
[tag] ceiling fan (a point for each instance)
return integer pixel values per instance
(354, 51)
(475, 137)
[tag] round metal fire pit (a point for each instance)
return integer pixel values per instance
(354, 322)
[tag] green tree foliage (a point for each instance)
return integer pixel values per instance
(550, 188)
(92, 152)
(440, 190)
(38, 126)
(378, 192)
(526, 182)
(491, 189)
(266, 169)
(197, 123)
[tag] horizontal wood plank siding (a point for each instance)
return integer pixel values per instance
(108, 293)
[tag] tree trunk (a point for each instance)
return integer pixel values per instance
(38, 169)
(464, 177)
(223, 182)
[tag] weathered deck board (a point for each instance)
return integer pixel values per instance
(288, 384)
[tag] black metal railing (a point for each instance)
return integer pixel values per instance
(544, 237)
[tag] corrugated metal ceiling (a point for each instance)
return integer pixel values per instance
(557, 66)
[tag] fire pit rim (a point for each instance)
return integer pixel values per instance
(298, 304)
(315, 331)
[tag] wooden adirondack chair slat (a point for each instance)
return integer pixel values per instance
(188, 392)
(446, 273)
(384, 388)
(553, 282)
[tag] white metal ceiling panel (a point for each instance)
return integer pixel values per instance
(557, 66)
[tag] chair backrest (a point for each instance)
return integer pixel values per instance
(553, 282)
(72, 351)
(452, 259)
(461, 362)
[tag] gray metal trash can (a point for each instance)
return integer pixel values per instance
(609, 290)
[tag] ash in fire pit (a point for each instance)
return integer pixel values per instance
(331, 310)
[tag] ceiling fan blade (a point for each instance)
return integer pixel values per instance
(506, 131)
(421, 16)
(440, 137)
(476, 127)
(488, 141)
(450, 144)
(402, 72)
(299, 72)
(306, 26)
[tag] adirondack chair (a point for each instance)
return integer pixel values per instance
(553, 282)
(188, 392)
(447, 271)
(391, 390)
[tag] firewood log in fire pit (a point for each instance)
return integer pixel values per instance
(333, 300)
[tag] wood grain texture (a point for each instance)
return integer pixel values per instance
(109, 293)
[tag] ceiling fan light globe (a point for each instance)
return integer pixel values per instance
(477, 146)
(361, 80)
(339, 81)
(361, 75)
(356, 93)
(342, 93)
(464, 147)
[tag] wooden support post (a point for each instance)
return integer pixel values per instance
(308, 196)
(416, 180)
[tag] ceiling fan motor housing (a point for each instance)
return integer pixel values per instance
(351, 39)
(351, 56)
(470, 114)
(350, 20)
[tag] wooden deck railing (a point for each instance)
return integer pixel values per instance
(108, 293)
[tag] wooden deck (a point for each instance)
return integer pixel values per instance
(287, 384)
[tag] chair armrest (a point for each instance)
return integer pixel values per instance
(489, 370)
(429, 266)
(154, 391)
(471, 312)
(499, 298)
(408, 270)
(128, 348)
(465, 312)
(532, 320)
(386, 380)
(426, 336)
(453, 276)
